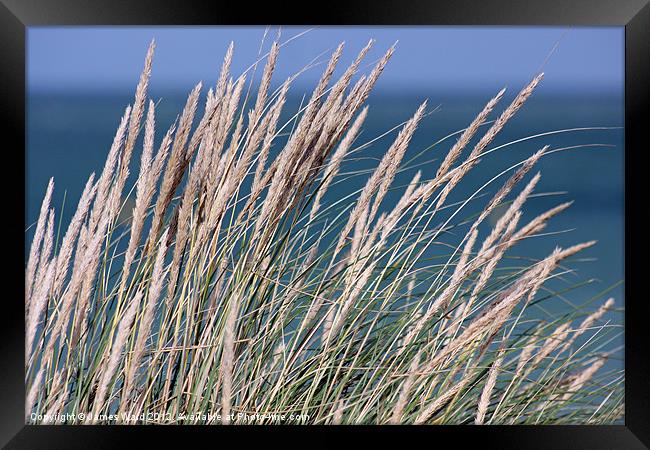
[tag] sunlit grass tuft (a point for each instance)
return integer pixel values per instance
(237, 286)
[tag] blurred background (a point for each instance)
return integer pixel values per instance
(80, 79)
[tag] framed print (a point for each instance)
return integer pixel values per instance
(383, 221)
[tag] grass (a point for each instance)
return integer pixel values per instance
(239, 291)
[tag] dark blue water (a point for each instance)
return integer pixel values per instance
(68, 137)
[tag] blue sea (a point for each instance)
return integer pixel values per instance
(68, 136)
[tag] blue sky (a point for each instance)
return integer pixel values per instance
(105, 58)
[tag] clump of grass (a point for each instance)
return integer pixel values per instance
(240, 288)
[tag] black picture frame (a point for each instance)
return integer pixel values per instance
(634, 15)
